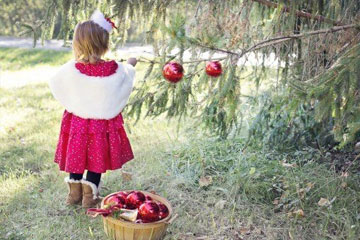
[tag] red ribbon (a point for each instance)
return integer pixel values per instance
(94, 212)
(111, 22)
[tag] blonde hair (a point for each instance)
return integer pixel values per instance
(90, 42)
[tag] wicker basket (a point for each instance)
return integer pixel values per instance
(118, 229)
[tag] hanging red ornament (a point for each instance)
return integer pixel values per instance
(149, 211)
(173, 72)
(213, 68)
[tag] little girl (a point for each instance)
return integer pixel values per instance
(93, 92)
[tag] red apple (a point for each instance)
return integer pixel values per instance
(149, 211)
(163, 211)
(173, 72)
(148, 198)
(213, 68)
(135, 199)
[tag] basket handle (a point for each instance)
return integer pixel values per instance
(171, 219)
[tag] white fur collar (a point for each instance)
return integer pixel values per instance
(93, 97)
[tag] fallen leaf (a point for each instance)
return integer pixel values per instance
(126, 176)
(258, 231)
(290, 235)
(276, 202)
(252, 171)
(289, 165)
(244, 231)
(323, 202)
(301, 192)
(344, 174)
(310, 185)
(296, 213)
(357, 147)
(205, 181)
(202, 238)
(343, 184)
(220, 204)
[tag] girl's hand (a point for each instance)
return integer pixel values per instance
(132, 61)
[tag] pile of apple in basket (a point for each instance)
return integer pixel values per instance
(133, 206)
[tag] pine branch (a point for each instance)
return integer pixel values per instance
(300, 13)
(257, 46)
(280, 39)
(277, 40)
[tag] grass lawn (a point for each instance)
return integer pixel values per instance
(14, 59)
(252, 194)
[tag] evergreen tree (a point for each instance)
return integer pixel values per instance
(306, 39)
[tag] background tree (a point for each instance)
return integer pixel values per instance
(21, 17)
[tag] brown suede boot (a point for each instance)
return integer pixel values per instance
(75, 191)
(90, 194)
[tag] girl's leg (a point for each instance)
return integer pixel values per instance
(93, 177)
(75, 188)
(76, 176)
(90, 187)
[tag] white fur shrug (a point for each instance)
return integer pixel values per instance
(93, 97)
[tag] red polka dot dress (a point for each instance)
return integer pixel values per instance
(93, 144)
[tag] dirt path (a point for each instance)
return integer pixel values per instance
(28, 43)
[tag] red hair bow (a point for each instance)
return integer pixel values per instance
(111, 22)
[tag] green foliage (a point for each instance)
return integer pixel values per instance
(285, 123)
(335, 95)
(17, 14)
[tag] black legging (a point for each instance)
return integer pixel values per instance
(90, 176)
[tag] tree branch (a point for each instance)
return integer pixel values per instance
(281, 39)
(300, 13)
(259, 45)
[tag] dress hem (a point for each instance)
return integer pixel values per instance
(92, 170)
